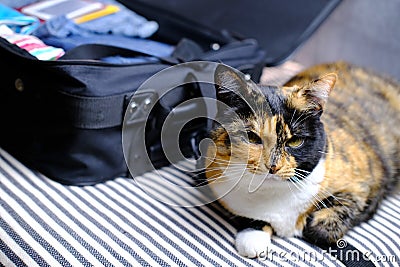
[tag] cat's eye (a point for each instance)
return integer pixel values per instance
(254, 138)
(295, 142)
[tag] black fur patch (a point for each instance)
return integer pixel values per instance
(306, 125)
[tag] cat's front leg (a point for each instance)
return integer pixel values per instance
(327, 225)
(251, 242)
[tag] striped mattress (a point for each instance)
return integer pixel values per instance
(151, 221)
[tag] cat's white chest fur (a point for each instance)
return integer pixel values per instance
(271, 200)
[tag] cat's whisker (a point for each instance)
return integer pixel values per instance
(286, 174)
(330, 153)
(301, 115)
(226, 165)
(301, 170)
(347, 209)
(221, 169)
(327, 194)
(223, 180)
(295, 183)
(215, 160)
(302, 173)
(291, 190)
(320, 201)
(303, 185)
(308, 116)
(291, 120)
(235, 167)
(300, 186)
(213, 178)
(302, 176)
(231, 172)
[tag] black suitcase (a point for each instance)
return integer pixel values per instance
(64, 118)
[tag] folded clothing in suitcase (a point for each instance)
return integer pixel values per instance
(64, 117)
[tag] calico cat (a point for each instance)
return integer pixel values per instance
(310, 159)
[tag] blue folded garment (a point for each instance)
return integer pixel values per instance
(149, 47)
(16, 21)
(17, 3)
(124, 22)
(128, 60)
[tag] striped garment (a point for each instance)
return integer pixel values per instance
(34, 46)
(126, 222)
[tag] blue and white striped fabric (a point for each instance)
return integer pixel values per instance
(124, 223)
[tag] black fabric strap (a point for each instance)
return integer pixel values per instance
(94, 112)
(97, 51)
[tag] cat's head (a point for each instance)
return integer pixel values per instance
(270, 130)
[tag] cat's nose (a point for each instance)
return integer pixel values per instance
(273, 169)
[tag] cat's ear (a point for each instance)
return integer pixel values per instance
(231, 85)
(314, 96)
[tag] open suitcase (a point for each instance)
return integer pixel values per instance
(64, 117)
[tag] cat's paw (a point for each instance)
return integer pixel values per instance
(251, 243)
(326, 226)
